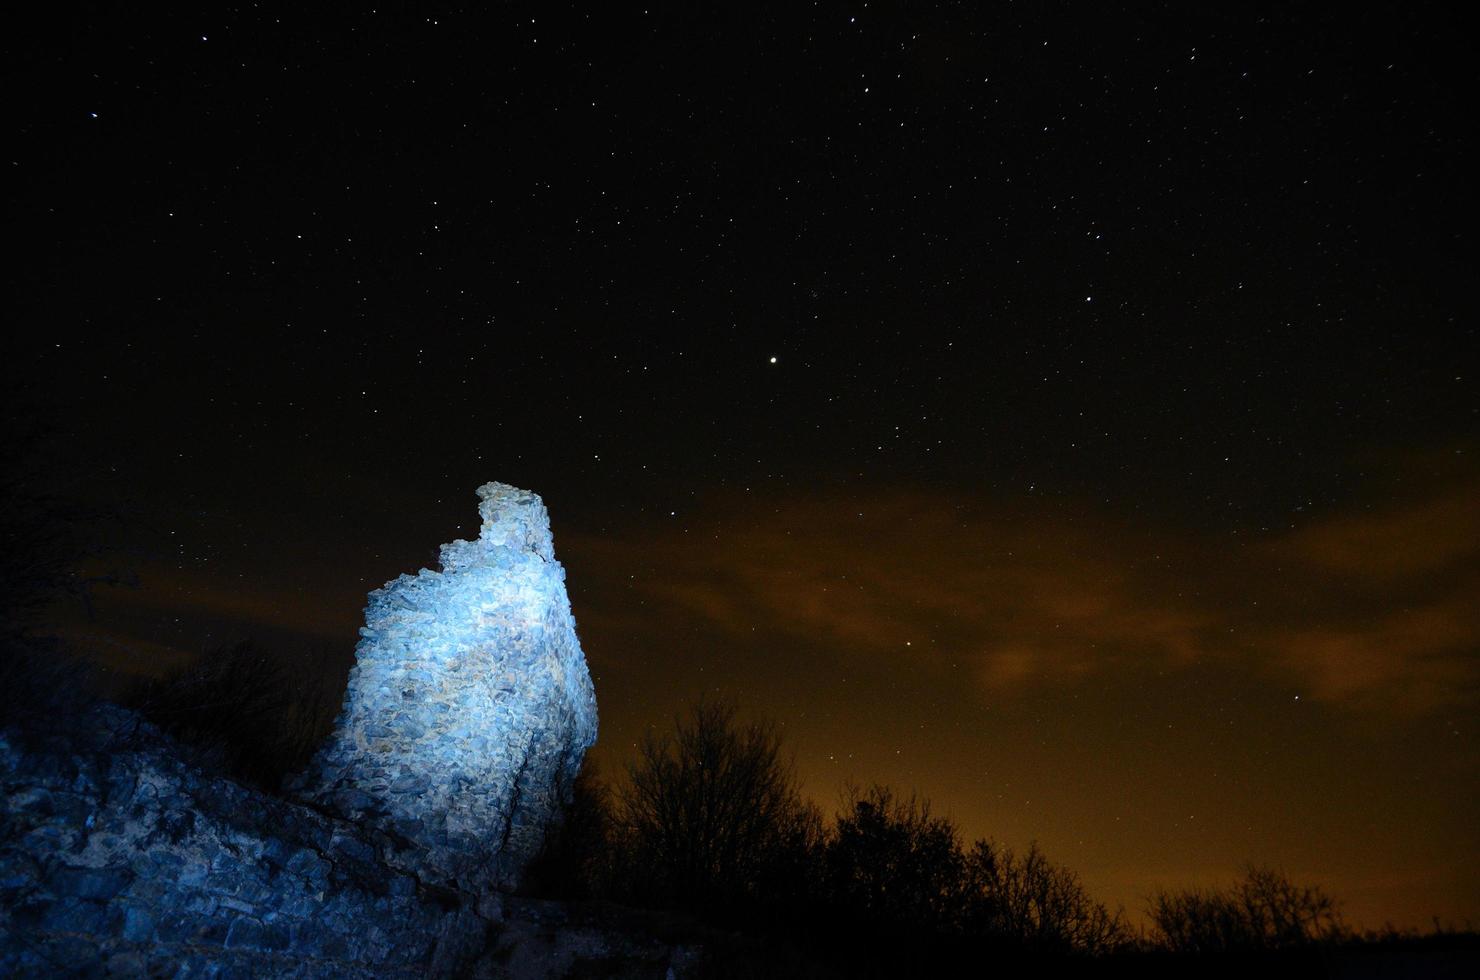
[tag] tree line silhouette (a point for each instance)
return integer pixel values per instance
(710, 819)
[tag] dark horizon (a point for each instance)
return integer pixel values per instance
(1067, 413)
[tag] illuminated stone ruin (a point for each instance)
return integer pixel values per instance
(469, 707)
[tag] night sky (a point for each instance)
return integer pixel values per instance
(1065, 411)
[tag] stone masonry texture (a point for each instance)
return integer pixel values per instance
(469, 708)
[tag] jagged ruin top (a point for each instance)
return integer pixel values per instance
(511, 518)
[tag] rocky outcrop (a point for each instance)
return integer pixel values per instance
(117, 858)
(469, 707)
(467, 714)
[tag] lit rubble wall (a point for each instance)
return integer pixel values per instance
(469, 707)
(118, 858)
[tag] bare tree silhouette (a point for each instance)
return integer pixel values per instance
(1033, 902)
(576, 858)
(711, 810)
(890, 861)
(46, 537)
(253, 714)
(1262, 910)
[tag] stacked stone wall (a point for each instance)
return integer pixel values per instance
(469, 708)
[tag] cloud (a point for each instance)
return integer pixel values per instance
(1024, 596)
(1411, 660)
(1367, 609)
(251, 602)
(1398, 543)
(1387, 615)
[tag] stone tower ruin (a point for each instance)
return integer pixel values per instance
(469, 708)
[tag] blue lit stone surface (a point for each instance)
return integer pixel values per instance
(469, 707)
(117, 858)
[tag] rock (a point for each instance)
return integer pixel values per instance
(468, 712)
(220, 894)
(470, 686)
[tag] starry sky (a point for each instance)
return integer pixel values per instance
(1066, 411)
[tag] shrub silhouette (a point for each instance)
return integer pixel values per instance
(46, 537)
(1033, 903)
(248, 713)
(890, 861)
(1263, 910)
(710, 813)
(710, 819)
(576, 857)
